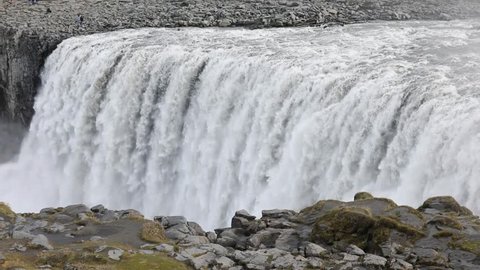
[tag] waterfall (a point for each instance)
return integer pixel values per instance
(203, 122)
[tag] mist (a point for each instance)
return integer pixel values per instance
(11, 135)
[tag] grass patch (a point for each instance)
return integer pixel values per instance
(153, 232)
(150, 262)
(6, 211)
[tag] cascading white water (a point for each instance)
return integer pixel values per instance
(203, 122)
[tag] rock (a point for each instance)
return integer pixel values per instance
(444, 204)
(18, 247)
(267, 238)
(203, 261)
(74, 210)
(18, 235)
(115, 254)
(100, 248)
(212, 237)
(56, 228)
(215, 248)
(288, 240)
(399, 264)
(244, 214)
(171, 221)
(362, 196)
(354, 250)
(48, 211)
(314, 250)
(283, 262)
(277, 213)
(195, 229)
(146, 251)
(240, 222)
(41, 241)
(373, 260)
(194, 240)
(100, 209)
(164, 248)
(224, 262)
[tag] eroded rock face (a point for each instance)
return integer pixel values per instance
(368, 233)
(28, 33)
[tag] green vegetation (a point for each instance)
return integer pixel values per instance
(6, 211)
(153, 232)
(362, 196)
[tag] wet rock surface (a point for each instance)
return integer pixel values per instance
(368, 233)
(29, 33)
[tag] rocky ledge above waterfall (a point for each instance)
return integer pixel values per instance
(367, 233)
(28, 33)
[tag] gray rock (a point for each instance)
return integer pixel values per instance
(244, 214)
(374, 260)
(164, 248)
(203, 261)
(56, 228)
(354, 250)
(314, 250)
(98, 209)
(170, 221)
(194, 240)
(224, 262)
(41, 241)
(277, 213)
(195, 229)
(100, 248)
(286, 261)
(115, 254)
(74, 210)
(48, 211)
(212, 237)
(215, 248)
(288, 240)
(240, 222)
(18, 235)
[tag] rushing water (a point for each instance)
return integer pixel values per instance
(203, 122)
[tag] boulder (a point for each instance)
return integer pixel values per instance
(41, 241)
(444, 204)
(115, 254)
(244, 214)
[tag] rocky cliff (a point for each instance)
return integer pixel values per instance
(28, 33)
(367, 233)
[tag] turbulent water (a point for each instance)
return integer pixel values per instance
(203, 122)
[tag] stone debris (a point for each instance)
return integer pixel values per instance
(368, 233)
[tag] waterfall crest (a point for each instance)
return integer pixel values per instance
(203, 122)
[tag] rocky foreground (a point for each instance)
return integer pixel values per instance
(367, 233)
(29, 33)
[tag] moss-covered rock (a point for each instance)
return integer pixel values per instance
(310, 214)
(362, 196)
(153, 232)
(445, 221)
(349, 224)
(6, 211)
(444, 204)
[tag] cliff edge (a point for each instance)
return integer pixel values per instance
(28, 33)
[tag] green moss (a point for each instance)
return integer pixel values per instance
(446, 221)
(362, 196)
(443, 234)
(466, 245)
(6, 211)
(347, 224)
(445, 204)
(388, 222)
(150, 262)
(153, 232)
